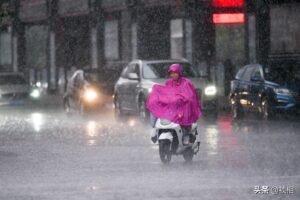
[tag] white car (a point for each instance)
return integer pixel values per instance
(133, 87)
(14, 89)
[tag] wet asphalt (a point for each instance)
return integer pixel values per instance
(46, 154)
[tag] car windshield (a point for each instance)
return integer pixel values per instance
(283, 76)
(103, 76)
(160, 70)
(12, 80)
(94, 77)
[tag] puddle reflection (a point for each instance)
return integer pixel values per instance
(212, 138)
(92, 131)
(37, 121)
(131, 122)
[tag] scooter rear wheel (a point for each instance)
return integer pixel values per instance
(165, 151)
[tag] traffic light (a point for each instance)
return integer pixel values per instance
(228, 11)
(228, 18)
(228, 3)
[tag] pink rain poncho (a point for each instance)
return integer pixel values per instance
(176, 101)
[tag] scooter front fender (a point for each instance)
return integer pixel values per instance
(166, 136)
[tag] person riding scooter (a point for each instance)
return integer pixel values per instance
(176, 101)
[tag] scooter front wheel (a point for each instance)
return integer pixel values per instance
(165, 151)
(188, 155)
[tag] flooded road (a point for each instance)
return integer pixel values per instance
(45, 154)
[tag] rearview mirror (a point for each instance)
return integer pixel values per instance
(202, 74)
(133, 76)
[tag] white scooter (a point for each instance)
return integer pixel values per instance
(170, 141)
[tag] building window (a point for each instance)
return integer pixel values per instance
(36, 46)
(177, 38)
(285, 29)
(252, 38)
(5, 49)
(73, 7)
(111, 40)
(134, 41)
(230, 43)
(188, 40)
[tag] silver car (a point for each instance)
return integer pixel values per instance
(135, 84)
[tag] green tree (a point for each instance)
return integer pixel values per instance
(6, 11)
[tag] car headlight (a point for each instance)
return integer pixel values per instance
(35, 93)
(282, 91)
(90, 95)
(210, 90)
(38, 84)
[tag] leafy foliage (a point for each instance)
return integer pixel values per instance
(6, 11)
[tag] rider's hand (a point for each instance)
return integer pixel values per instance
(179, 116)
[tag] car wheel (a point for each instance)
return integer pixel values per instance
(143, 111)
(236, 109)
(119, 114)
(266, 112)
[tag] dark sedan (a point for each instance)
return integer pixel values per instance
(265, 90)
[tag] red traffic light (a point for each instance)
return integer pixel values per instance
(228, 3)
(229, 18)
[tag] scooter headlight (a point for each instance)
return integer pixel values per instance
(165, 122)
(90, 95)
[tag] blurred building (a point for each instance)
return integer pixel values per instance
(48, 38)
